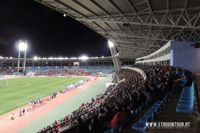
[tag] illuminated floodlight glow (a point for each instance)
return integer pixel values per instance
(35, 58)
(73, 58)
(110, 44)
(22, 46)
(60, 58)
(84, 57)
(64, 15)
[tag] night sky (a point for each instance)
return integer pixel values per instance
(47, 31)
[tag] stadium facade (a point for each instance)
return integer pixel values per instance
(60, 61)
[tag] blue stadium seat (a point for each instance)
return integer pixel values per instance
(140, 126)
(148, 116)
(186, 100)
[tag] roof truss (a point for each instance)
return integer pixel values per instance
(135, 25)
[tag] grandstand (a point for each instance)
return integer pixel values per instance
(149, 84)
(173, 53)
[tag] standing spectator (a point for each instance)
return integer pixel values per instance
(23, 111)
(20, 113)
(12, 116)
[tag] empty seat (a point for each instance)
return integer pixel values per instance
(186, 100)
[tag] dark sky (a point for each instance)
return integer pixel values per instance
(47, 31)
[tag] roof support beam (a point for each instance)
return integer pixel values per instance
(131, 34)
(122, 21)
(146, 29)
(137, 43)
(132, 48)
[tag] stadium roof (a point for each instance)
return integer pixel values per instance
(138, 27)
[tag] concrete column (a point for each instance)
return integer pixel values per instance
(116, 61)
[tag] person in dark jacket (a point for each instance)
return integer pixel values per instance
(96, 126)
(82, 126)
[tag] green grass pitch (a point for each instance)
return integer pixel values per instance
(17, 92)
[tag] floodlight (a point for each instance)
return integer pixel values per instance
(35, 58)
(60, 58)
(73, 58)
(110, 44)
(84, 57)
(50, 58)
(22, 46)
(64, 15)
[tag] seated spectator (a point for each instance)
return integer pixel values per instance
(96, 125)
(82, 126)
(119, 120)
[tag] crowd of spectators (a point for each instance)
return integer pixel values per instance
(6, 71)
(90, 109)
(111, 111)
(63, 73)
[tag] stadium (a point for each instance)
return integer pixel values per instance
(148, 83)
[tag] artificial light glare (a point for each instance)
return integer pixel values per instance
(110, 44)
(84, 57)
(23, 46)
(35, 58)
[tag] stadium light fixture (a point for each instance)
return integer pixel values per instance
(84, 57)
(50, 58)
(110, 44)
(60, 58)
(35, 58)
(73, 58)
(22, 46)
